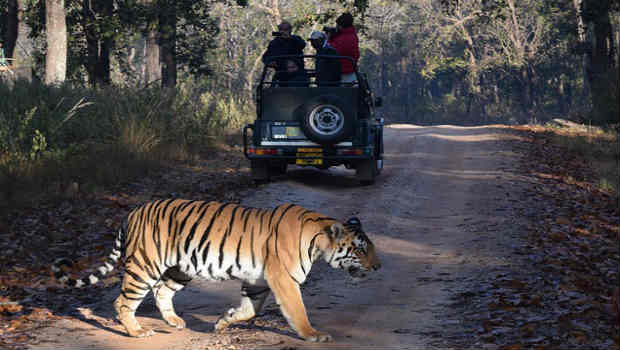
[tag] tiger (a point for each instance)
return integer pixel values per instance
(168, 242)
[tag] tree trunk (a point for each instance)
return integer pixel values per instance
(23, 44)
(167, 35)
(601, 60)
(582, 39)
(151, 57)
(152, 69)
(98, 44)
(56, 31)
(11, 29)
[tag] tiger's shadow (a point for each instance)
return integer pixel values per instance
(334, 178)
(100, 315)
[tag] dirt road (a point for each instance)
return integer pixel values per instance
(443, 189)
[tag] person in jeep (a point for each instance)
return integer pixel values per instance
(294, 76)
(284, 43)
(327, 70)
(344, 40)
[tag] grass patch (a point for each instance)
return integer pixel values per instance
(56, 140)
(598, 146)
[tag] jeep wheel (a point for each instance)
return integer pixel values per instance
(367, 171)
(324, 120)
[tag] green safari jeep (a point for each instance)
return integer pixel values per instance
(311, 125)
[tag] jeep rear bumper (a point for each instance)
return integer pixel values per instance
(304, 152)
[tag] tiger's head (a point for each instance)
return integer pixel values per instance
(352, 250)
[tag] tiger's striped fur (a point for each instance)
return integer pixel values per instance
(169, 242)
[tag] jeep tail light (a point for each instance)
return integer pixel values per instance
(264, 151)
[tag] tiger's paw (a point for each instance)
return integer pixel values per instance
(319, 337)
(221, 325)
(141, 333)
(175, 321)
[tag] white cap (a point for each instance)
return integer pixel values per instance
(317, 35)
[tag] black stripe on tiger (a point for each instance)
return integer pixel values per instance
(202, 210)
(253, 292)
(301, 231)
(226, 235)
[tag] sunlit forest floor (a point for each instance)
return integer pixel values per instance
(568, 295)
(564, 292)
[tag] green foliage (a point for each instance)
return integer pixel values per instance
(52, 135)
(196, 33)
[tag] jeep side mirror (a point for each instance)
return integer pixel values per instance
(378, 101)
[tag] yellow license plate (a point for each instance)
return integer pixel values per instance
(309, 161)
(315, 155)
(309, 150)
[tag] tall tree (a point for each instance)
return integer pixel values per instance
(23, 44)
(601, 62)
(168, 39)
(10, 29)
(99, 27)
(56, 32)
(152, 66)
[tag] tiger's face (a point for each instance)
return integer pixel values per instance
(353, 250)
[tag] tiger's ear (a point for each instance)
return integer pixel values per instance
(336, 230)
(355, 222)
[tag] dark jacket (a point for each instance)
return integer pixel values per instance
(327, 70)
(280, 46)
(347, 44)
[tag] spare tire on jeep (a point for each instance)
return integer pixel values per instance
(325, 120)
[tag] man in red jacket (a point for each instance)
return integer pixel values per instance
(345, 41)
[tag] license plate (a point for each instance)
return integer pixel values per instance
(286, 132)
(309, 161)
(313, 155)
(309, 150)
(293, 132)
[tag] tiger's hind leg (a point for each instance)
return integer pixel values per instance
(172, 281)
(135, 286)
(252, 300)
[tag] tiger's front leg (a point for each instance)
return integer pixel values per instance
(252, 300)
(288, 296)
(172, 281)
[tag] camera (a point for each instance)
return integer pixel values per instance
(330, 30)
(276, 34)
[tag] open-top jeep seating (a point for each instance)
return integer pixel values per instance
(312, 124)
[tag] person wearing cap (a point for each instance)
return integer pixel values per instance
(327, 70)
(345, 41)
(284, 43)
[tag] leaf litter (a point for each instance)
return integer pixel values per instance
(560, 287)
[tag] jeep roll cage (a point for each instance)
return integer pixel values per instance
(303, 121)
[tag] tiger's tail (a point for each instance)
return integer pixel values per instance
(102, 270)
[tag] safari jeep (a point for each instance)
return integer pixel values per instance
(311, 125)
